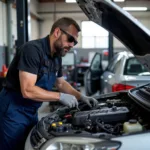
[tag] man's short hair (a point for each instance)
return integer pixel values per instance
(64, 23)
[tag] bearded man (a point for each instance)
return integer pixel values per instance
(36, 67)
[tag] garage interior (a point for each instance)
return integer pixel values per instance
(40, 16)
(22, 21)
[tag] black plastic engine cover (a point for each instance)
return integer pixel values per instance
(107, 115)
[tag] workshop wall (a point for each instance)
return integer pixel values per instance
(88, 52)
(3, 25)
(49, 12)
(46, 26)
(3, 33)
(34, 6)
(14, 23)
(3, 28)
(46, 11)
(35, 22)
(34, 29)
(42, 18)
(3, 22)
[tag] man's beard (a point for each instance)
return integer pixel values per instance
(59, 48)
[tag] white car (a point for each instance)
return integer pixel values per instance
(123, 73)
(121, 119)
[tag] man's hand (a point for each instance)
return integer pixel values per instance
(68, 100)
(89, 100)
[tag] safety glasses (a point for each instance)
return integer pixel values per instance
(70, 38)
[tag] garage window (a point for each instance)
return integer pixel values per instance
(93, 36)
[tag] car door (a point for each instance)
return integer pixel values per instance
(108, 76)
(92, 76)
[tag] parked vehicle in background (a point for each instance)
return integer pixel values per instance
(81, 69)
(105, 59)
(123, 73)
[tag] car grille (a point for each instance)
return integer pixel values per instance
(142, 96)
(37, 140)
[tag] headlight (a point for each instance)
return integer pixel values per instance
(80, 143)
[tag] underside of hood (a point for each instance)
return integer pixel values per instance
(122, 25)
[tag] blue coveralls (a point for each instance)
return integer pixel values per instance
(17, 114)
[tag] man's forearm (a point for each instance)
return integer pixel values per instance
(65, 87)
(39, 94)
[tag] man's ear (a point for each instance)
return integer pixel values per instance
(57, 33)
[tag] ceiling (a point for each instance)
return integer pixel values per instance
(45, 1)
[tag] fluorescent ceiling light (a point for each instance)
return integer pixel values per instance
(119, 0)
(70, 1)
(135, 8)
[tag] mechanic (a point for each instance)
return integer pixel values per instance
(34, 70)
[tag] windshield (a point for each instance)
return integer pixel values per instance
(133, 67)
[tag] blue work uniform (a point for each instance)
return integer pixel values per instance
(17, 114)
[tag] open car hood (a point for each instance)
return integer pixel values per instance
(122, 25)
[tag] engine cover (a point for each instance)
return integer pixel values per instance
(107, 115)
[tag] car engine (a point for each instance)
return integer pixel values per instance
(106, 120)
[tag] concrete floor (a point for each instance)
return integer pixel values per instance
(45, 110)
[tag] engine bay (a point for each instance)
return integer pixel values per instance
(115, 115)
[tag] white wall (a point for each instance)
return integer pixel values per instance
(35, 25)
(47, 24)
(14, 23)
(34, 29)
(3, 24)
(79, 17)
(41, 29)
(34, 6)
(45, 27)
(63, 8)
